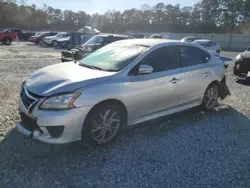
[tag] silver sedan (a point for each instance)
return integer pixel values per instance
(121, 84)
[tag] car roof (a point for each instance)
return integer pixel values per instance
(202, 40)
(148, 42)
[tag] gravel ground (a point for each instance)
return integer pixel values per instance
(189, 149)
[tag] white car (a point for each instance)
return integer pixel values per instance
(209, 45)
(52, 40)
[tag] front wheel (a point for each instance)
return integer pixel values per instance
(237, 68)
(40, 42)
(102, 124)
(210, 99)
(54, 43)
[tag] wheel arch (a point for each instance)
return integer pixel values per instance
(111, 102)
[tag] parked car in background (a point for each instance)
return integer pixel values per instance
(209, 45)
(156, 36)
(38, 39)
(190, 39)
(63, 42)
(242, 64)
(8, 37)
(161, 36)
(122, 84)
(22, 35)
(137, 35)
(52, 40)
(91, 45)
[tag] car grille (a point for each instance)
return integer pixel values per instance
(27, 98)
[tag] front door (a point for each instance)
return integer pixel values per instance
(151, 94)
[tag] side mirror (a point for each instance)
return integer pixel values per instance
(145, 69)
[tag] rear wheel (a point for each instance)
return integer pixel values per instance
(210, 99)
(7, 41)
(103, 124)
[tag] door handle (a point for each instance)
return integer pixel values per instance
(206, 74)
(174, 80)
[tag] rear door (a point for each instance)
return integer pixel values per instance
(195, 74)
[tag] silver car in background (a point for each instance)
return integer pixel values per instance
(121, 84)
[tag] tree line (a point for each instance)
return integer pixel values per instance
(207, 16)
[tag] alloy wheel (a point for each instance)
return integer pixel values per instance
(105, 125)
(54, 44)
(7, 41)
(211, 97)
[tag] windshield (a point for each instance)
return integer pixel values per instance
(61, 35)
(40, 34)
(113, 57)
(200, 43)
(96, 40)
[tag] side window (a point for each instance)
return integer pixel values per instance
(190, 56)
(211, 43)
(162, 59)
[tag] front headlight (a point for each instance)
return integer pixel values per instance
(60, 102)
(239, 58)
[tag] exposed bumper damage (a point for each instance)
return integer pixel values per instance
(224, 90)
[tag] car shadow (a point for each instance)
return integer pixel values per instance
(245, 82)
(160, 126)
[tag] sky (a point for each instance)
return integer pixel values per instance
(100, 6)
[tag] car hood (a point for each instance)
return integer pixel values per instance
(51, 37)
(245, 54)
(64, 39)
(64, 77)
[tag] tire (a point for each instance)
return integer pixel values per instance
(40, 42)
(237, 68)
(67, 46)
(7, 41)
(95, 127)
(211, 96)
(54, 43)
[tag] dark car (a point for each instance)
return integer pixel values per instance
(242, 64)
(91, 45)
(22, 35)
(38, 39)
